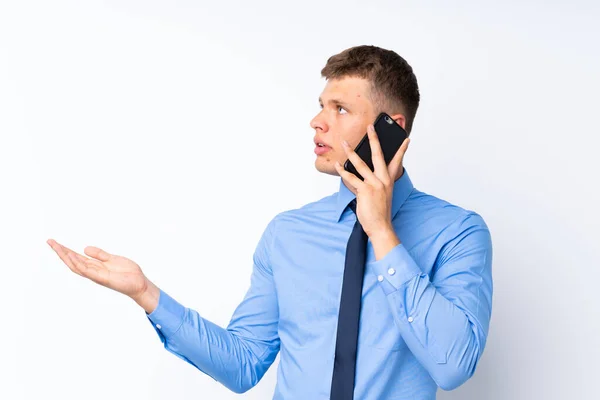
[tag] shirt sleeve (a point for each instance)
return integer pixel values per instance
(237, 356)
(444, 321)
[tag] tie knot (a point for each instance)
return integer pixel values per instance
(352, 206)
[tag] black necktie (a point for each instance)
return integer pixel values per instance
(344, 364)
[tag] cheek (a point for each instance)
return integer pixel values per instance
(335, 156)
(354, 133)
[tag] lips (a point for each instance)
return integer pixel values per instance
(320, 142)
(319, 150)
(320, 146)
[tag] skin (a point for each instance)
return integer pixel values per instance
(347, 113)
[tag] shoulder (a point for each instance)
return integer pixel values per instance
(458, 232)
(429, 207)
(320, 209)
(455, 228)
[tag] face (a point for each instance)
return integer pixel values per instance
(346, 111)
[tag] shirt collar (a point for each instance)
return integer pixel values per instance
(402, 189)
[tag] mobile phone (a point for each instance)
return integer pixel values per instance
(390, 134)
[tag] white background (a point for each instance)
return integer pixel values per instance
(172, 132)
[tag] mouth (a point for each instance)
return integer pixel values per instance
(321, 149)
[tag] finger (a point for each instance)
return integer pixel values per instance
(352, 179)
(379, 165)
(63, 254)
(68, 250)
(97, 253)
(89, 269)
(74, 256)
(88, 261)
(396, 162)
(361, 167)
(81, 257)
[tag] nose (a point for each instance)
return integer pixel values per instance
(318, 122)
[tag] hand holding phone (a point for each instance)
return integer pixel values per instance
(391, 136)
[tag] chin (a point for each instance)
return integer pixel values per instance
(326, 167)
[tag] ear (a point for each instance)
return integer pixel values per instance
(400, 120)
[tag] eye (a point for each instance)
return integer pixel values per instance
(342, 108)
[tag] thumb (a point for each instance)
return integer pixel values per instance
(97, 253)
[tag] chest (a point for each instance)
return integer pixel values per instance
(308, 274)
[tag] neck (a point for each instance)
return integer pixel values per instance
(351, 188)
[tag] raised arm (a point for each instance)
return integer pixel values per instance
(236, 356)
(444, 321)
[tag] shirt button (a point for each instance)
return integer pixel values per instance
(158, 326)
(380, 278)
(410, 319)
(391, 271)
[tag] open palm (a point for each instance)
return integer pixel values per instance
(109, 270)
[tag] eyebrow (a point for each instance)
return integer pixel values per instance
(335, 102)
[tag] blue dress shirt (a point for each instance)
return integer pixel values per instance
(426, 305)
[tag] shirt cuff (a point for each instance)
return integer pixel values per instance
(395, 269)
(167, 317)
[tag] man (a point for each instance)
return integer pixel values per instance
(425, 293)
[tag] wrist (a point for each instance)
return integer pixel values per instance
(148, 299)
(383, 241)
(382, 233)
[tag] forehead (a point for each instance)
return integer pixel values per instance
(349, 89)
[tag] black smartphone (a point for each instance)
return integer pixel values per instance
(390, 134)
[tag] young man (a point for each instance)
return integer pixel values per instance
(425, 294)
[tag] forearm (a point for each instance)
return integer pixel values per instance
(220, 353)
(383, 241)
(443, 324)
(439, 334)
